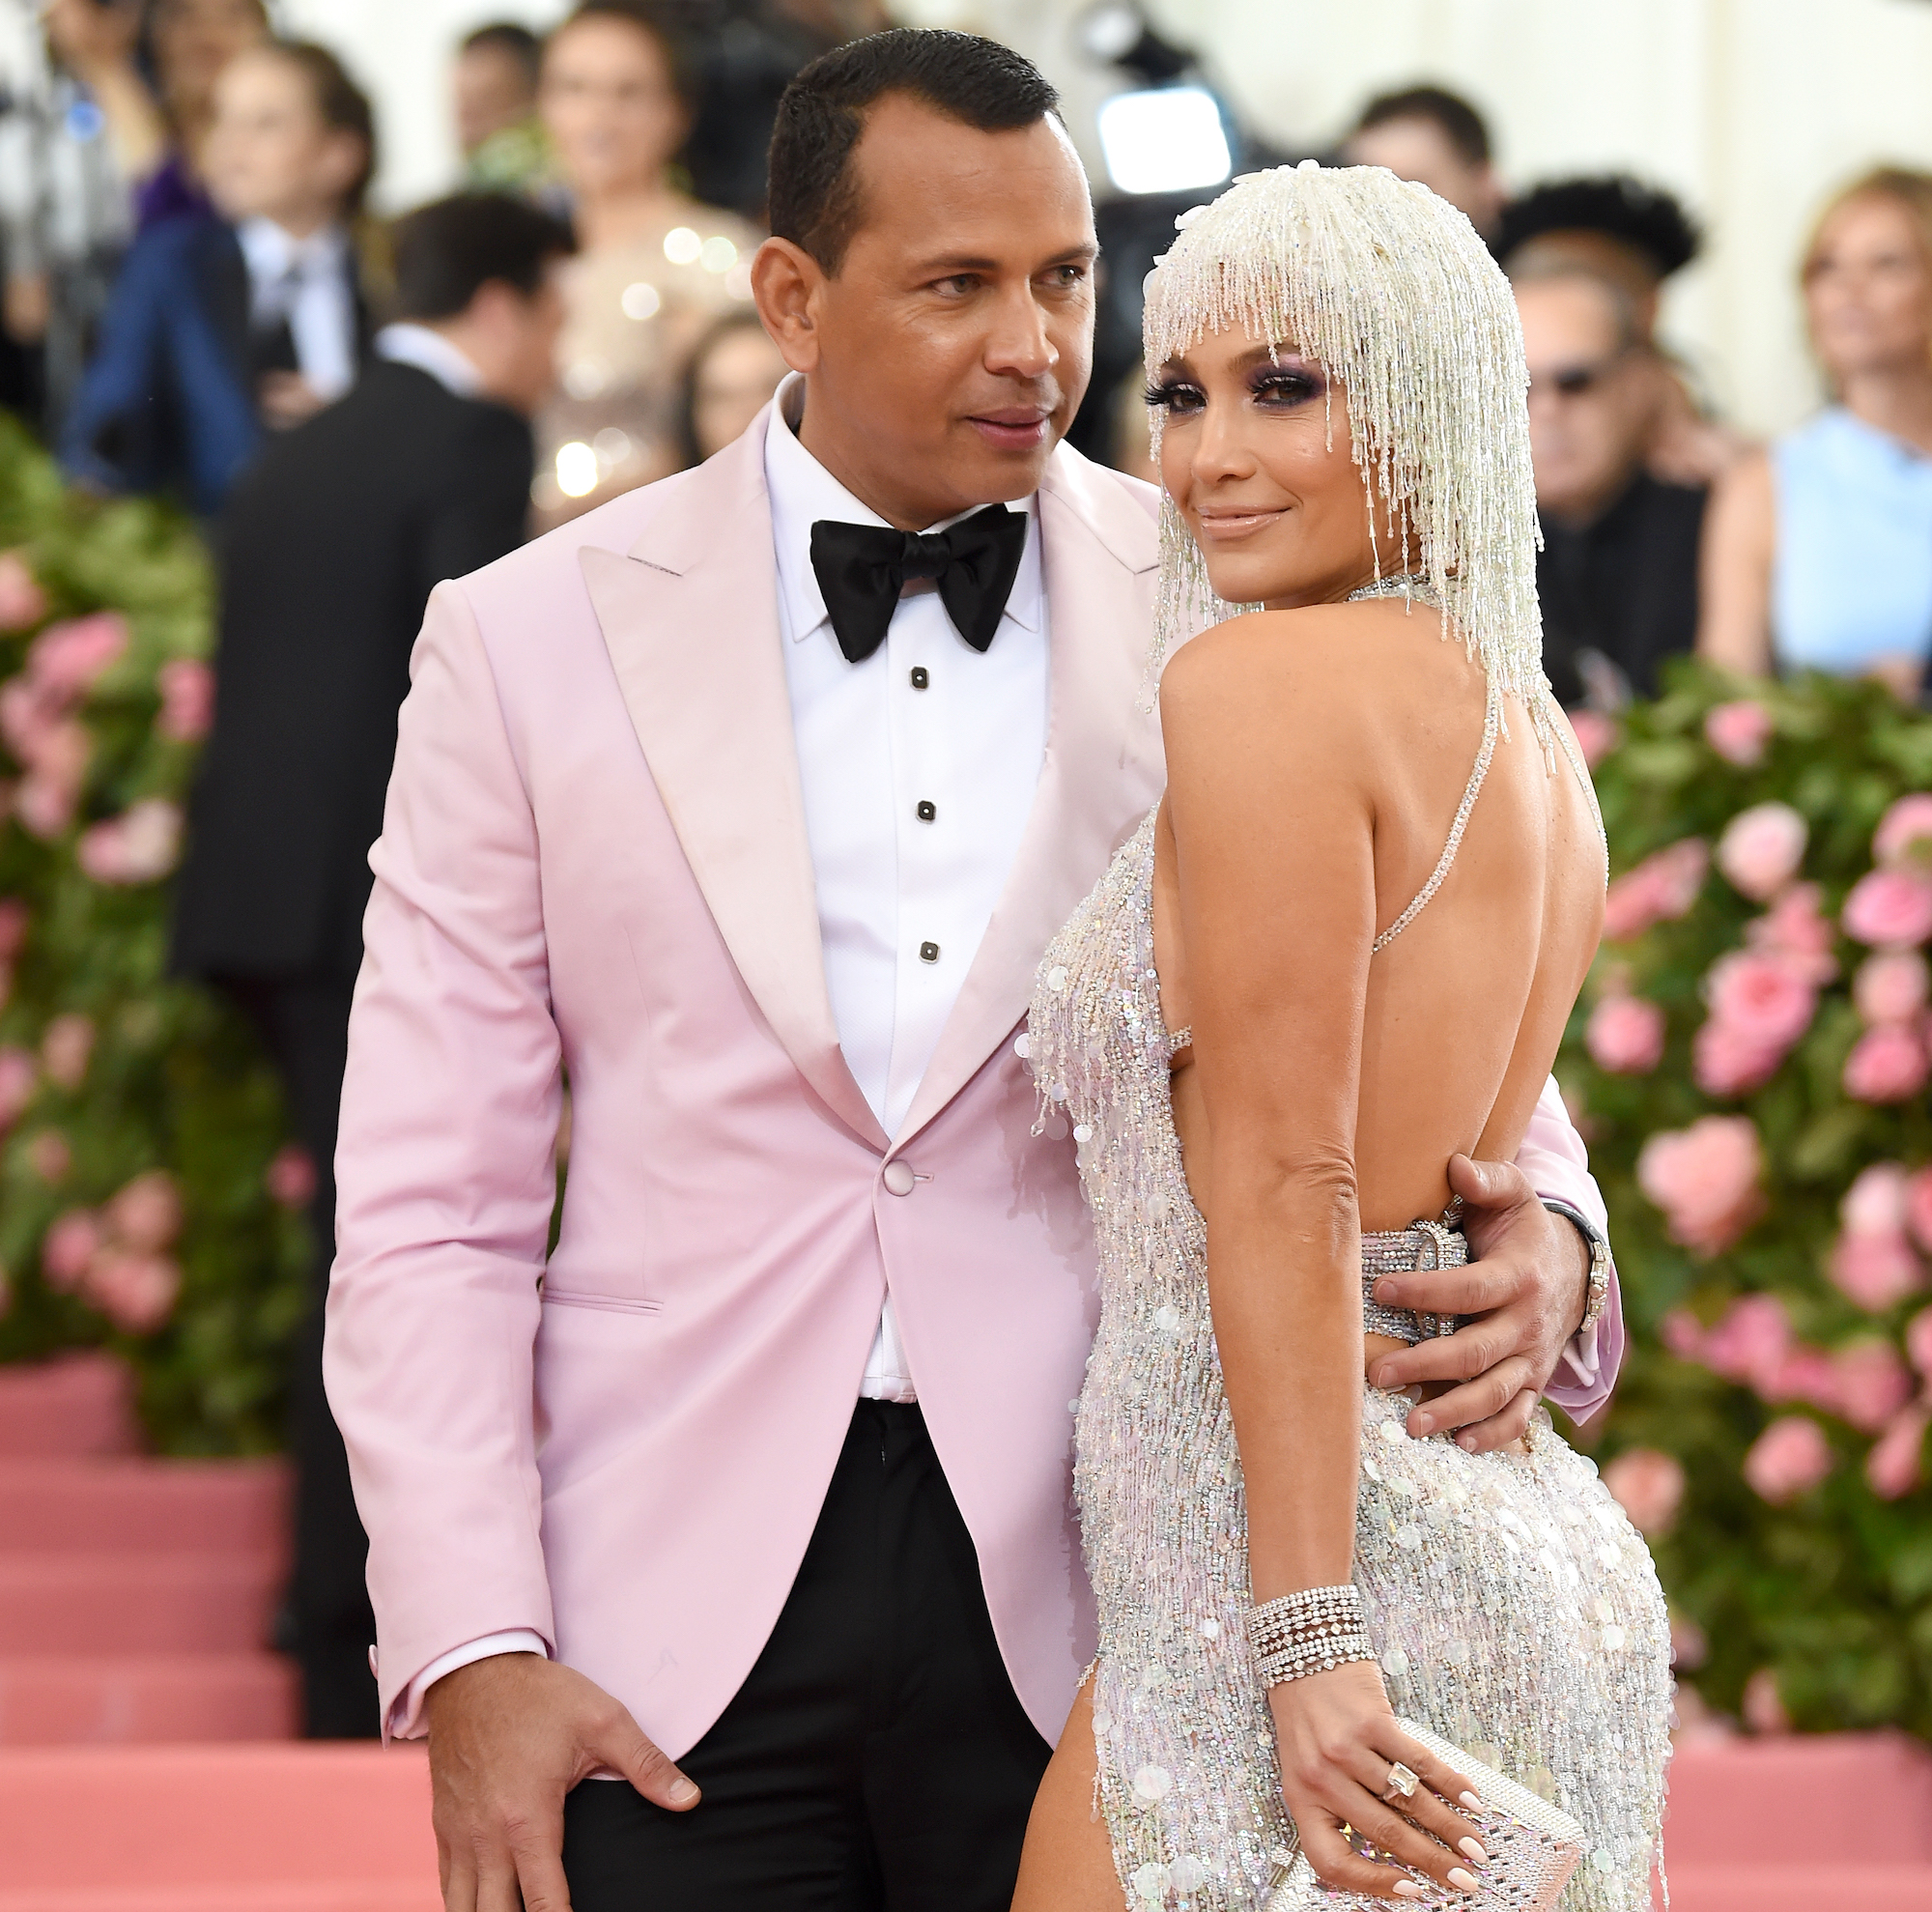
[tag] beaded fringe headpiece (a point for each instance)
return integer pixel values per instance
(1389, 290)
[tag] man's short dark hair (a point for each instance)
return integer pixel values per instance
(813, 194)
(515, 43)
(1449, 113)
(448, 250)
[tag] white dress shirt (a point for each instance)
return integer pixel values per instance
(308, 282)
(407, 342)
(902, 902)
(925, 719)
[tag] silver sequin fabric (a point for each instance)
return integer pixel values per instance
(1514, 1608)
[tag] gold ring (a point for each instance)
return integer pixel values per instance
(1402, 1784)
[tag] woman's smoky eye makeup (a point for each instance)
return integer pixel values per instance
(1275, 385)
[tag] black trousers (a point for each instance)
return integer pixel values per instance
(304, 1022)
(877, 1759)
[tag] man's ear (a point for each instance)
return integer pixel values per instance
(785, 285)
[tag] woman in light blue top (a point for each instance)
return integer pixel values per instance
(1818, 552)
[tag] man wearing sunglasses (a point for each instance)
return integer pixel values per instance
(1618, 571)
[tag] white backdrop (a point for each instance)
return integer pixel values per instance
(1749, 109)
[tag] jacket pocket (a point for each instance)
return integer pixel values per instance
(616, 1304)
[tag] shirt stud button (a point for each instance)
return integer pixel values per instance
(899, 1177)
(921, 677)
(925, 812)
(929, 952)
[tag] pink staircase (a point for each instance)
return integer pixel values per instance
(136, 1598)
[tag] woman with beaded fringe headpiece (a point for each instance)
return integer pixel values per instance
(1347, 1656)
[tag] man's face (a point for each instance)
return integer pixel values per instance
(1592, 400)
(1420, 149)
(949, 352)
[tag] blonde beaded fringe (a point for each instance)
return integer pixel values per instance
(1388, 288)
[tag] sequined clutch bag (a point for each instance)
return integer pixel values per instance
(1533, 1849)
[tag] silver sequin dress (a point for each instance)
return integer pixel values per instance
(1515, 1609)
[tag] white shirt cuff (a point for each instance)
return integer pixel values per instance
(406, 1715)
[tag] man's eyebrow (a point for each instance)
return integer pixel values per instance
(959, 262)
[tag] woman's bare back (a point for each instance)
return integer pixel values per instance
(1464, 1009)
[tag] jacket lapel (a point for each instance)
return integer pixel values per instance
(1103, 766)
(690, 616)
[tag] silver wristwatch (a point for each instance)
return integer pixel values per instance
(1598, 1292)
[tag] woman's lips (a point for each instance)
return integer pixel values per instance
(1018, 428)
(1225, 527)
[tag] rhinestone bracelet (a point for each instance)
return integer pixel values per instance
(1310, 1632)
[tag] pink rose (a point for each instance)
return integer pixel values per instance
(1887, 1065)
(1705, 1180)
(1877, 1271)
(1625, 1034)
(67, 1246)
(1789, 1458)
(1875, 1204)
(66, 1047)
(19, 1076)
(1763, 1706)
(1873, 1384)
(1919, 1207)
(1802, 1374)
(1891, 987)
(187, 699)
(1888, 909)
(1896, 1463)
(1683, 1333)
(1648, 1487)
(1918, 1340)
(1738, 731)
(1904, 834)
(1597, 736)
(22, 602)
(136, 1292)
(66, 659)
(141, 845)
(146, 1215)
(291, 1177)
(1751, 1340)
(1797, 930)
(1760, 997)
(1724, 1062)
(1761, 849)
(1660, 889)
(49, 1156)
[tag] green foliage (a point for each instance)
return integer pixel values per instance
(196, 1277)
(1827, 1588)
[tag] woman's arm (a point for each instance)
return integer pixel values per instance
(1734, 569)
(1271, 763)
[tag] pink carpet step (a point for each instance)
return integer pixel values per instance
(63, 1700)
(75, 1404)
(217, 1829)
(135, 1603)
(1850, 1886)
(131, 1505)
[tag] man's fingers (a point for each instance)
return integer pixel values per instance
(1474, 1402)
(620, 1745)
(539, 1875)
(496, 1888)
(1499, 1430)
(1489, 1184)
(1472, 1290)
(1457, 1356)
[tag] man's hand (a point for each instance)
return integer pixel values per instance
(1528, 1287)
(509, 1737)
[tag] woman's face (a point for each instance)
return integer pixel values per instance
(270, 154)
(610, 107)
(1869, 290)
(195, 39)
(733, 380)
(1259, 466)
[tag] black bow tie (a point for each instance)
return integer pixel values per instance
(862, 569)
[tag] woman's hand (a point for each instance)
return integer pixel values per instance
(1338, 1742)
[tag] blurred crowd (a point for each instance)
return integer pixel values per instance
(199, 303)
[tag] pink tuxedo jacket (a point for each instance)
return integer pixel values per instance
(594, 860)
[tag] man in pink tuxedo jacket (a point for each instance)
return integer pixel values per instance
(707, 802)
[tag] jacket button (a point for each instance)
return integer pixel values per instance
(920, 677)
(924, 811)
(929, 952)
(899, 1177)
